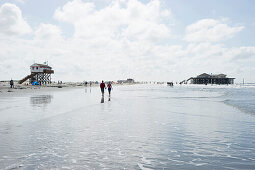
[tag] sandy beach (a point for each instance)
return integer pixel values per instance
(21, 89)
(137, 127)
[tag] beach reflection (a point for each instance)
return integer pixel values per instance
(86, 91)
(146, 127)
(40, 100)
(102, 99)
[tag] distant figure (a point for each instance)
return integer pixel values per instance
(109, 86)
(90, 83)
(102, 86)
(12, 83)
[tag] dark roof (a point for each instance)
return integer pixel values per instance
(205, 75)
(41, 65)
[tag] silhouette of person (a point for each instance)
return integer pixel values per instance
(12, 83)
(109, 88)
(102, 86)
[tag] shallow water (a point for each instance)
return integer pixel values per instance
(140, 127)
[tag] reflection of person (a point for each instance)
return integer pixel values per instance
(102, 86)
(12, 83)
(109, 88)
(102, 99)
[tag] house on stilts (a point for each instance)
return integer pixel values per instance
(211, 79)
(40, 73)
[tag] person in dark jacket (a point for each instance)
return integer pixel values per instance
(102, 86)
(12, 83)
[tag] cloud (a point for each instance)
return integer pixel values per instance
(11, 21)
(125, 38)
(210, 30)
(242, 53)
(48, 31)
(131, 19)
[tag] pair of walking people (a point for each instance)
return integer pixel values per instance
(109, 86)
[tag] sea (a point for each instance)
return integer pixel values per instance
(145, 126)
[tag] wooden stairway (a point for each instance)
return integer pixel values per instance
(27, 77)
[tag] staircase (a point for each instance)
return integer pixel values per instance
(27, 77)
(185, 81)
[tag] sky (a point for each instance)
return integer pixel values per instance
(148, 40)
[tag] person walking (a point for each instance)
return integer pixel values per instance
(102, 86)
(12, 83)
(109, 88)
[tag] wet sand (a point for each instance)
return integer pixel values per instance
(140, 127)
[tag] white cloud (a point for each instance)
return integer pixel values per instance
(11, 20)
(120, 19)
(210, 30)
(48, 31)
(242, 53)
(74, 10)
(126, 38)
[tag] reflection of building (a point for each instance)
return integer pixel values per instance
(40, 73)
(40, 100)
(211, 79)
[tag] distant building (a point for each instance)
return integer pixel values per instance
(170, 83)
(126, 81)
(40, 68)
(121, 81)
(211, 79)
(130, 81)
(40, 73)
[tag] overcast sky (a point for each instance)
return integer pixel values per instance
(162, 40)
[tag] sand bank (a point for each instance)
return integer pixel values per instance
(19, 89)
